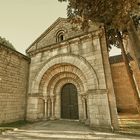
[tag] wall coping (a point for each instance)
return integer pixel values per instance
(14, 51)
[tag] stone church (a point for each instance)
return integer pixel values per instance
(67, 75)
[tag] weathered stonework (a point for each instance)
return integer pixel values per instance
(123, 89)
(79, 59)
(13, 85)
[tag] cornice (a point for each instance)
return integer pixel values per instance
(92, 35)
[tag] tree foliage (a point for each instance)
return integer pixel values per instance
(115, 12)
(6, 43)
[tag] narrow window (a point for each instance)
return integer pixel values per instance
(60, 36)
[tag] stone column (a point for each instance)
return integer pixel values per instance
(46, 109)
(57, 108)
(85, 106)
(52, 107)
(52, 103)
(85, 111)
(85, 98)
(83, 103)
(49, 107)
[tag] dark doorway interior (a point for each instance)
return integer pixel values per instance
(69, 102)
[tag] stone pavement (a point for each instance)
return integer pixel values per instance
(61, 130)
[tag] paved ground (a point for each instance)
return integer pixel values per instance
(61, 130)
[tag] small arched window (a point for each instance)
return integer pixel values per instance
(60, 36)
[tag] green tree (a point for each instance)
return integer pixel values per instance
(6, 43)
(105, 11)
(116, 15)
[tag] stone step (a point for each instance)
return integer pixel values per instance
(53, 135)
(61, 135)
(54, 132)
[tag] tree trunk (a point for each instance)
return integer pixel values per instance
(129, 72)
(135, 41)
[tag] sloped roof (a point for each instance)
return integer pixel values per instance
(47, 31)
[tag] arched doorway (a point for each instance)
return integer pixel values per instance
(69, 102)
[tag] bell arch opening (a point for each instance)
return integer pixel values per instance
(69, 102)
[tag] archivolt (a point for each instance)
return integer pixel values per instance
(77, 61)
(62, 82)
(58, 72)
(69, 77)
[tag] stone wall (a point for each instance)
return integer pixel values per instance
(123, 89)
(13, 85)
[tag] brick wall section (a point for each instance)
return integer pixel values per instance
(13, 85)
(123, 89)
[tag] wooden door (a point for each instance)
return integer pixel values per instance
(69, 102)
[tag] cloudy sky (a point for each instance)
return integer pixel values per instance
(22, 21)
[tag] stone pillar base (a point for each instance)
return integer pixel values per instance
(52, 118)
(87, 122)
(101, 128)
(45, 119)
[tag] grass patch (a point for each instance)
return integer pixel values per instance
(15, 124)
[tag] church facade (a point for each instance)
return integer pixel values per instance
(70, 77)
(66, 75)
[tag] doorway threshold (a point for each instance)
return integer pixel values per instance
(69, 120)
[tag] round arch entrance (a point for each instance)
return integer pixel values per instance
(69, 102)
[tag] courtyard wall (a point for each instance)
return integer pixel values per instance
(14, 69)
(122, 86)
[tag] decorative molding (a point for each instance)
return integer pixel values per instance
(71, 40)
(11, 51)
(71, 59)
